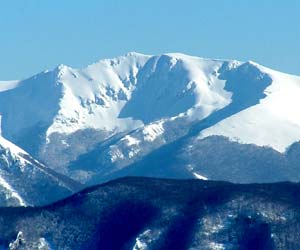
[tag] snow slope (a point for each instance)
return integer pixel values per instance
(127, 92)
(274, 122)
(101, 119)
(100, 96)
(65, 100)
(24, 181)
(112, 96)
(175, 84)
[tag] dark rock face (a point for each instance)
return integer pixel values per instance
(145, 213)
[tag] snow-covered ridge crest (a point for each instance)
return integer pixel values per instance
(93, 97)
(66, 100)
(131, 91)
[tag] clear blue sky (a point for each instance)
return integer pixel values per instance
(40, 34)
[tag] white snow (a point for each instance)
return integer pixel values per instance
(12, 147)
(14, 150)
(43, 244)
(67, 99)
(7, 85)
(139, 245)
(143, 91)
(115, 154)
(94, 96)
(11, 193)
(274, 122)
(145, 238)
(133, 153)
(200, 177)
(216, 246)
(17, 242)
(152, 131)
(130, 141)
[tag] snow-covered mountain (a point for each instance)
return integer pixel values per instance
(25, 182)
(156, 115)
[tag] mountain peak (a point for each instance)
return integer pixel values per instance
(133, 104)
(134, 90)
(61, 69)
(134, 53)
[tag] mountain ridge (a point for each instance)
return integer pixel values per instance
(109, 66)
(187, 214)
(152, 115)
(24, 180)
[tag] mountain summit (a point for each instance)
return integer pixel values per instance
(169, 115)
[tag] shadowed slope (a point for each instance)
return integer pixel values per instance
(128, 213)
